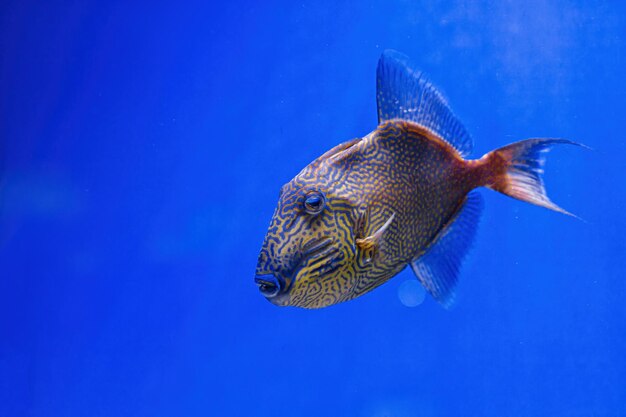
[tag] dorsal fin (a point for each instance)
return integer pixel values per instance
(402, 92)
(438, 268)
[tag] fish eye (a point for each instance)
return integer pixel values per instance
(314, 202)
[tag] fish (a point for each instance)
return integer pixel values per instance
(403, 195)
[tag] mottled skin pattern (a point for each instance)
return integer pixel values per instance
(400, 169)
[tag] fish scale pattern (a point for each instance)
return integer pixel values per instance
(401, 169)
(398, 196)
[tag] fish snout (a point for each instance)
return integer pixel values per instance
(269, 284)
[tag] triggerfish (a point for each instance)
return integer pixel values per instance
(400, 196)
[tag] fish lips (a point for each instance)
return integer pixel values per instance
(273, 288)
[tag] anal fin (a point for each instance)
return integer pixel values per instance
(438, 268)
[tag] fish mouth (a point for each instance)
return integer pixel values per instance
(318, 256)
(269, 284)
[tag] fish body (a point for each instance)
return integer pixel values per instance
(402, 195)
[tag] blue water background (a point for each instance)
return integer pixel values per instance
(143, 148)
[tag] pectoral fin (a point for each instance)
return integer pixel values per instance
(375, 241)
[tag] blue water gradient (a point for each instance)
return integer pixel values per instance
(143, 147)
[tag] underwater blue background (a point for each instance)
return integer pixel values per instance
(143, 146)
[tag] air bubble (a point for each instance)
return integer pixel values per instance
(411, 293)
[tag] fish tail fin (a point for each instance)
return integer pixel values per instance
(516, 170)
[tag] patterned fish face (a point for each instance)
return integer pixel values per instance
(308, 255)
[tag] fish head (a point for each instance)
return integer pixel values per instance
(308, 257)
